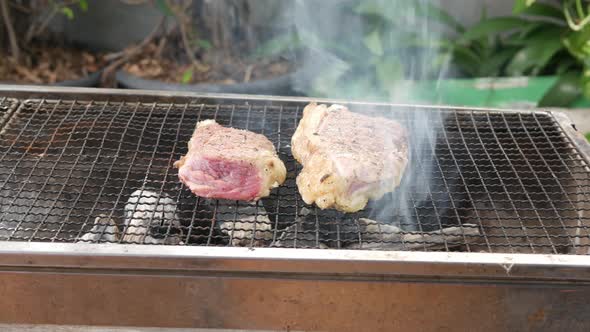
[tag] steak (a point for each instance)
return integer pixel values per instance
(347, 158)
(228, 163)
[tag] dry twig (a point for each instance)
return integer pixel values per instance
(161, 46)
(20, 8)
(14, 48)
(248, 73)
(184, 25)
(125, 55)
(26, 73)
(37, 29)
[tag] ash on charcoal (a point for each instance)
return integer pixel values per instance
(377, 235)
(243, 225)
(104, 230)
(151, 218)
(301, 234)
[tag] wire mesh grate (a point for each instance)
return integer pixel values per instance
(102, 172)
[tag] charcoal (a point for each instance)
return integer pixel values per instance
(242, 224)
(300, 234)
(104, 229)
(376, 235)
(151, 218)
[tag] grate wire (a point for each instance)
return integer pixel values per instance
(498, 181)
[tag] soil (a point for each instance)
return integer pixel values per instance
(209, 69)
(48, 65)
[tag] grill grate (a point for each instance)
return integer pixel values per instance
(102, 172)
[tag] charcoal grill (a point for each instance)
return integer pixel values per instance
(501, 229)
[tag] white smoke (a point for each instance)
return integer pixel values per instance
(398, 44)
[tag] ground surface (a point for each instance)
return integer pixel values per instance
(48, 65)
(149, 64)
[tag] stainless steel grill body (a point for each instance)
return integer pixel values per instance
(68, 156)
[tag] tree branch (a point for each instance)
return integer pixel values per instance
(120, 57)
(38, 29)
(14, 49)
(34, 30)
(184, 21)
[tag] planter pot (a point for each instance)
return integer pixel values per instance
(90, 81)
(511, 92)
(282, 85)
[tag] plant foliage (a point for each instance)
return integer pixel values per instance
(539, 38)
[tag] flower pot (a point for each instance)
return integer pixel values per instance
(90, 81)
(281, 85)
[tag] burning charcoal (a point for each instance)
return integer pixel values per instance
(373, 231)
(104, 230)
(244, 225)
(300, 234)
(151, 218)
(376, 235)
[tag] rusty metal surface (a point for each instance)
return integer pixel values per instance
(288, 304)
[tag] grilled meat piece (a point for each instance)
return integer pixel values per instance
(347, 158)
(230, 163)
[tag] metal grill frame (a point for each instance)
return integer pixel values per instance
(43, 262)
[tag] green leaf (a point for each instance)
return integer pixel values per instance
(563, 92)
(520, 37)
(434, 12)
(83, 4)
(68, 12)
(368, 8)
(162, 5)
(204, 44)
(586, 83)
(467, 61)
(313, 41)
(542, 9)
(565, 64)
(467, 53)
(413, 40)
(328, 82)
(362, 87)
(521, 5)
(541, 47)
(389, 70)
(438, 62)
(493, 26)
(187, 76)
(373, 42)
(484, 13)
(495, 63)
(588, 137)
(278, 45)
(577, 43)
